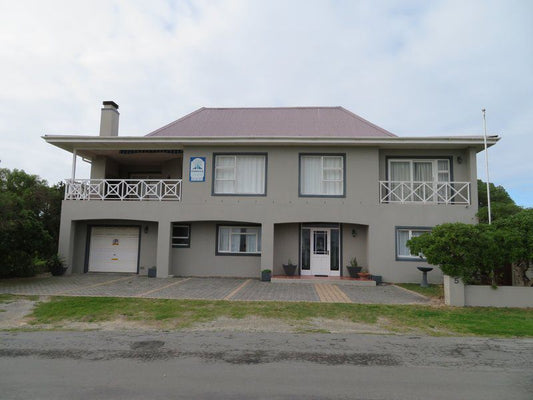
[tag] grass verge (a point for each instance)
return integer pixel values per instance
(178, 314)
(435, 291)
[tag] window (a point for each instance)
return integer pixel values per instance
(419, 180)
(402, 236)
(419, 170)
(239, 174)
(239, 239)
(181, 235)
(321, 175)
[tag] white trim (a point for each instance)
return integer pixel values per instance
(123, 189)
(69, 142)
(233, 179)
(323, 180)
(410, 236)
(257, 235)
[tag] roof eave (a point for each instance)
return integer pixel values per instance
(71, 142)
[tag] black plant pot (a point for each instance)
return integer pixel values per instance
(58, 271)
(354, 271)
(289, 269)
(266, 276)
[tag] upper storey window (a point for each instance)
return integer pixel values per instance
(419, 170)
(322, 175)
(240, 174)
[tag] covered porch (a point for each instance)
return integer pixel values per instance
(127, 174)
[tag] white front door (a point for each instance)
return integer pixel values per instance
(320, 248)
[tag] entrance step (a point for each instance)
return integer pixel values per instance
(337, 280)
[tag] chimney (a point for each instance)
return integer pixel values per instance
(109, 119)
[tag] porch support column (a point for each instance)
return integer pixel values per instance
(66, 242)
(267, 246)
(472, 164)
(74, 156)
(163, 249)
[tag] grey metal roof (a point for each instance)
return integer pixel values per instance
(272, 122)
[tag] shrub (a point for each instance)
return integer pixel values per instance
(56, 265)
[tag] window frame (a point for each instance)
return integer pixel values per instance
(237, 226)
(236, 154)
(188, 237)
(322, 155)
(434, 159)
(410, 229)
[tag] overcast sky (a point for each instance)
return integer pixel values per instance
(414, 68)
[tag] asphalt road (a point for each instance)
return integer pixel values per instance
(222, 365)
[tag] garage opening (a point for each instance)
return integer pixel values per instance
(114, 249)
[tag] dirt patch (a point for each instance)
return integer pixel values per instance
(14, 313)
(346, 326)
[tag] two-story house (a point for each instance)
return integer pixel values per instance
(232, 191)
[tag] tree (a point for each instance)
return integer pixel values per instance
(520, 229)
(29, 222)
(501, 203)
(471, 252)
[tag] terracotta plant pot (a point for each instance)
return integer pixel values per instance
(364, 275)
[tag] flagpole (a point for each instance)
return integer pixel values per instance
(486, 163)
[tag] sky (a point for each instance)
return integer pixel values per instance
(415, 68)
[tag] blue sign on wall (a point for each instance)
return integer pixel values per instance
(197, 169)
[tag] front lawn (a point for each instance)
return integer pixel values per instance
(179, 314)
(435, 291)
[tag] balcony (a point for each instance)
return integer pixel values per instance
(411, 192)
(123, 189)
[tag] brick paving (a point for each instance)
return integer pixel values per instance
(381, 295)
(199, 288)
(257, 290)
(120, 285)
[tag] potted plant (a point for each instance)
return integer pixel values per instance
(266, 275)
(55, 265)
(353, 268)
(364, 274)
(289, 268)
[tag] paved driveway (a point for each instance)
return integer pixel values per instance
(207, 288)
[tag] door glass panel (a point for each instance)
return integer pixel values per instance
(334, 254)
(306, 251)
(320, 239)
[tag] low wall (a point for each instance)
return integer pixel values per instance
(456, 293)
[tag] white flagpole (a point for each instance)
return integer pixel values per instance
(486, 163)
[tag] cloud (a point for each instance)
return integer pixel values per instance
(412, 67)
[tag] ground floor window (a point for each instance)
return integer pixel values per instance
(402, 236)
(239, 240)
(181, 235)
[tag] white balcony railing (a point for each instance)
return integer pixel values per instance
(123, 189)
(424, 192)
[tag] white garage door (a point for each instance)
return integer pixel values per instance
(113, 249)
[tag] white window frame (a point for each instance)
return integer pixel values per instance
(323, 179)
(235, 234)
(434, 168)
(188, 237)
(411, 257)
(234, 175)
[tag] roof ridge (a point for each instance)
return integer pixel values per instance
(270, 108)
(176, 121)
(368, 122)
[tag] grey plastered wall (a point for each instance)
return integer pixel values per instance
(200, 259)
(354, 246)
(286, 246)
(282, 205)
(147, 253)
